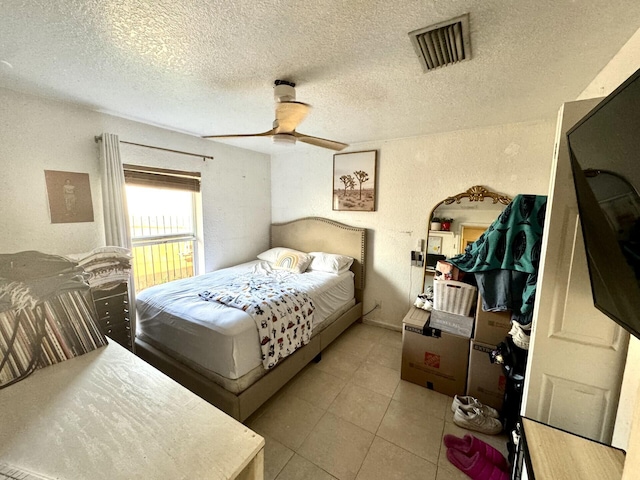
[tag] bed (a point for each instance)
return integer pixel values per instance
(222, 364)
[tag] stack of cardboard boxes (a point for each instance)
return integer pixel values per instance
(432, 357)
(486, 380)
(444, 352)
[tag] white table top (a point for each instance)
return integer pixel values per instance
(108, 414)
(556, 454)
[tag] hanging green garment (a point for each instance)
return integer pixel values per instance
(512, 242)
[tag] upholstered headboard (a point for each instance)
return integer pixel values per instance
(315, 234)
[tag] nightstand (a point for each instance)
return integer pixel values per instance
(112, 307)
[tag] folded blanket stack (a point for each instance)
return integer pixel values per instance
(106, 267)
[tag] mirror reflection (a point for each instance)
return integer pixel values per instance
(618, 199)
(458, 221)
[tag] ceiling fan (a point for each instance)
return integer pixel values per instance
(289, 114)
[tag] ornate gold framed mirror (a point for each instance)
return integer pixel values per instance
(462, 218)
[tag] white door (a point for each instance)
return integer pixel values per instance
(577, 354)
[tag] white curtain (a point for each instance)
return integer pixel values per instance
(114, 197)
(114, 201)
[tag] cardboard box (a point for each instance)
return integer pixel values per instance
(486, 380)
(416, 317)
(452, 323)
(432, 358)
(491, 327)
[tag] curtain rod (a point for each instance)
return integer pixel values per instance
(97, 138)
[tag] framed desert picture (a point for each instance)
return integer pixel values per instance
(354, 181)
(69, 196)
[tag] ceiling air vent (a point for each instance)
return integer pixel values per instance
(442, 44)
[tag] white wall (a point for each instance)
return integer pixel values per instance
(37, 134)
(414, 174)
(623, 65)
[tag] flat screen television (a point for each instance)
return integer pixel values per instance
(605, 159)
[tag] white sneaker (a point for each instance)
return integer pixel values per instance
(473, 402)
(472, 418)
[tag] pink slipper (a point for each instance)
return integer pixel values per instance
(476, 466)
(470, 445)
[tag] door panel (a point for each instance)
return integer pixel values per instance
(559, 397)
(576, 322)
(577, 354)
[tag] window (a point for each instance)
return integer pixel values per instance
(162, 220)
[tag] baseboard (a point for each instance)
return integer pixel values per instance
(377, 323)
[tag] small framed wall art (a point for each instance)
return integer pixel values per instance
(434, 244)
(69, 195)
(354, 181)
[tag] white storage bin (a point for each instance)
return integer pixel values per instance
(453, 297)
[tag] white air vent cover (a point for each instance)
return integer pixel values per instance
(442, 44)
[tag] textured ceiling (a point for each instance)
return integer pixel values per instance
(208, 66)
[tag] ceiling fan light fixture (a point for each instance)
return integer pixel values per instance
(289, 114)
(284, 91)
(284, 138)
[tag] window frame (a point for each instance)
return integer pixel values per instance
(160, 178)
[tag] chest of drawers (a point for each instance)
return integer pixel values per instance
(112, 307)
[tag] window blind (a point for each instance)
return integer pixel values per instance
(161, 178)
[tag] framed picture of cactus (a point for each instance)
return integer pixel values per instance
(354, 181)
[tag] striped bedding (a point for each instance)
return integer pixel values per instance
(43, 320)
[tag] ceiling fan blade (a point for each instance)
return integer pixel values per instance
(263, 134)
(289, 115)
(320, 142)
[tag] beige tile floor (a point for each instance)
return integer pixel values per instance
(351, 417)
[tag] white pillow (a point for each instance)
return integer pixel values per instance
(272, 254)
(296, 262)
(329, 262)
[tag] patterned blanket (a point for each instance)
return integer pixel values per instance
(283, 314)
